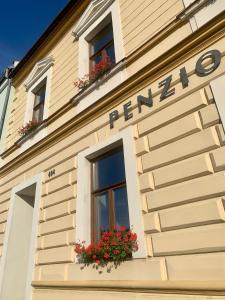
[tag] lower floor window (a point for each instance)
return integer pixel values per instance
(109, 206)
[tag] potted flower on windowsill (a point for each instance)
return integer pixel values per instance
(114, 246)
(28, 128)
(95, 73)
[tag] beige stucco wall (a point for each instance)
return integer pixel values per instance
(180, 151)
(84, 295)
(62, 46)
(142, 20)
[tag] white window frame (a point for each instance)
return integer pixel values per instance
(31, 96)
(31, 85)
(217, 86)
(83, 211)
(93, 29)
(87, 27)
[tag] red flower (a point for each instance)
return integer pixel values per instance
(106, 255)
(28, 127)
(122, 228)
(77, 248)
(133, 237)
(98, 70)
(116, 245)
(100, 244)
(97, 248)
(105, 238)
(89, 251)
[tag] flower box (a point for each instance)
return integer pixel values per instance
(114, 246)
(28, 128)
(96, 72)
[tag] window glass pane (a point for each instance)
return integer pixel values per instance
(109, 170)
(111, 53)
(38, 113)
(102, 213)
(95, 60)
(40, 96)
(101, 39)
(121, 207)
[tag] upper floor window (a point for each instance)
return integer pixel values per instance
(101, 52)
(109, 193)
(38, 91)
(38, 88)
(102, 45)
(39, 102)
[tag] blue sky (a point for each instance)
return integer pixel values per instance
(21, 24)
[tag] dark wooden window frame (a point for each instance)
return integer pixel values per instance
(109, 189)
(111, 42)
(39, 105)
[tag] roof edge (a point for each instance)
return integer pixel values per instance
(71, 5)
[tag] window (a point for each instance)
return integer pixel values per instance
(101, 45)
(99, 33)
(39, 101)
(109, 193)
(4, 97)
(38, 90)
(108, 189)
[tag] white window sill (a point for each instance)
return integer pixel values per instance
(151, 269)
(100, 87)
(32, 138)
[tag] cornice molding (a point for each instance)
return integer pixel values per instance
(193, 8)
(38, 70)
(186, 287)
(197, 41)
(94, 10)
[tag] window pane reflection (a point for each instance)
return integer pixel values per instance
(109, 170)
(121, 207)
(102, 213)
(102, 39)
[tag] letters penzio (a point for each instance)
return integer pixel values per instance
(201, 70)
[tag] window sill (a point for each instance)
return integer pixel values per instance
(100, 87)
(128, 270)
(32, 138)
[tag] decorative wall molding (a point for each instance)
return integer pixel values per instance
(95, 9)
(193, 8)
(38, 70)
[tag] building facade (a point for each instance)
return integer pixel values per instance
(6, 94)
(137, 141)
